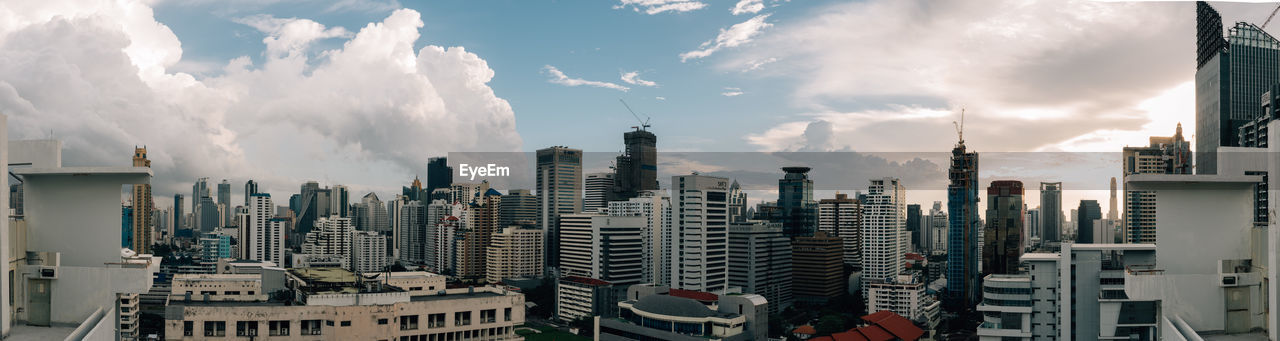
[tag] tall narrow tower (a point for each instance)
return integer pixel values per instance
(1112, 214)
(962, 234)
(142, 206)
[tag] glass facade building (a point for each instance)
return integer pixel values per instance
(962, 235)
(1232, 73)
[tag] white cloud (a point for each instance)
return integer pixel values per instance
(738, 34)
(558, 77)
(368, 115)
(730, 92)
(747, 7)
(287, 36)
(660, 98)
(652, 7)
(633, 78)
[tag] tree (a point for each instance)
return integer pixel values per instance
(830, 324)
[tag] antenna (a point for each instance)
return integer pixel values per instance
(960, 126)
(644, 124)
(1272, 16)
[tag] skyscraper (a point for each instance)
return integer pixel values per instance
(368, 252)
(143, 205)
(607, 248)
(1086, 224)
(518, 207)
(598, 186)
(699, 236)
(817, 270)
(1003, 237)
(412, 238)
(439, 174)
(178, 217)
(199, 190)
(884, 222)
(224, 199)
(261, 235)
(938, 228)
(962, 236)
(250, 188)
(514, 252)
(655, 208)
(796, 208)
(1162, 155)
(1232, 73)
(339, 201)
(738, 211)
(760, 262)
(1050, 212)
(842, 218)
(913, 225)
(559, 181)
(483, 223)
(637, 169)
(1113, 213)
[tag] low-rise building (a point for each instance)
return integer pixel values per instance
(658, 313)
(219, 287)
(905, 295)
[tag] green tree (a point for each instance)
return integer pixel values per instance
(830, 324)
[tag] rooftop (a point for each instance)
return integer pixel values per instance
(83, 171)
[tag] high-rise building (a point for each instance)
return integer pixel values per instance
(559, 181)
(938, 228)
(797, 210)
(738, 211)
(372, 214)
(143, 206)
(962, 237)
(1113, 213)
(442, 238)
(913, 225)
(340, 201)
(412, 238)
(199, 190)
(514, 252)
(637, 169)
(1003, 237)
(483, 224)
(1033, 228)
(439, 174)
(179, 218)
(655, 208)
(1087, 232)
(607, 248)
(331, 238)
(884, 221)
(1163, 155)
(842, 218)
(126, 226)
(210, 217)
(250, 188)
(224, 200)
(1232, 73)
(817, 267)
(598, 186)
(368, 252)
(700, 235)
(760, 262)
(905, 295)
(262, 236)
(1050, 212)
(519, 208)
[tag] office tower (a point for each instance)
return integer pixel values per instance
(760, 262)
(262, 236)
(178, 216)
(483, 223)
(331, 237)
(224, 199)
(884, 219)
(637, 169)
(143, 206)
(210, 216)
(199, 190)
(1113, 213)
(442, 238)
(368, 252)
(1050, 212)
(1003, 237)
(798, 211)
(1033, 227)
(126, 226)
(738, 211)
(1232, 73)
(559, 181)
(699, 236)
(607, 248)
(962, 235)
(598, 186)
(250, 188)
(339, 201)
(518, 207)
(307, 209)
(938, 226)
(412, 238)
(817, 267)
(372, 214)
(1086, 230)
(842, 218)
(655, 208)
(913, 225)
(439, 174)
(1163, 155)
(514, 252)
(414, 191)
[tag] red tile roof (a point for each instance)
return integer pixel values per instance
(695, 295)
(851, 335)
(822, 338)
(805, 329)
(915, 256)
(875, 333)
(894, 324)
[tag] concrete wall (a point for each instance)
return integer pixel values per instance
(76, 215)
(38, 153)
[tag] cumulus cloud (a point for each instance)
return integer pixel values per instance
(652, 7)
(738, 34)
(730, 92)
(633, 78)
(747, 7)
(558, 77)
(367, 114)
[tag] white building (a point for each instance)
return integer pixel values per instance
(655, 207)
(261, 236)
(904, 295)
(514, 252)
(1005, 308)
(597, 187)
(368, 252)
(842, 217)
(699, 233)
(330, 237)
(938, 228)
(884, 222)
(603, 247)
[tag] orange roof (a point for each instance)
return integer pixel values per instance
(894, 324)
(822, 338)
(805, 329)
(914, 256)
(693, 294)
(851, 335)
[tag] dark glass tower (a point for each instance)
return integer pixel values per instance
(1002, 239)
(1232, 73)
(637, 170)
(439, 174)
(798, 213)
(962, 234)
(913, 225)
(1085, 214)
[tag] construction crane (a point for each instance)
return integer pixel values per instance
(960, 126)
(644, 124)
(1269, 17)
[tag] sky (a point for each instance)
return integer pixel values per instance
(362, 92)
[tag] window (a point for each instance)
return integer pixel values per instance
(435, 320)
(346, 323)
(462, 318)
(231, 293)
(382, 321)
(246, 328)
(215, 328)
(488, 316)
(278, 328)
(506, 314)
(250, 292)
(409, 322)
(188, 328)
(328, 323)
(310, 327)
